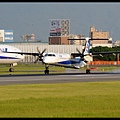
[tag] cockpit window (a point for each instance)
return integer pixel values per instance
(46, 54)
(49, 54)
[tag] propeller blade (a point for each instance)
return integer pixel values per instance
(80, 54)
(40, 55)
(38, 50)
(84, 48)
(83, 51)
(43, 51)
(36, 60)
(78, 51)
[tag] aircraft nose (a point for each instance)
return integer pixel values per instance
(46, 60)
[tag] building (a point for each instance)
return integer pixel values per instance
(116, 43)
(60, 34)
(95, 34)
(6, 35)
(62, 40)
(59, 31)
(1, 35)
(28, 37)
(76, 39)
(100, 38)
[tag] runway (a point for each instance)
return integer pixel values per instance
(57, 78)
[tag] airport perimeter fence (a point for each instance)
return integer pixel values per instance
(105, 63)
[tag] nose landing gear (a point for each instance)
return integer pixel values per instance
(46, 69)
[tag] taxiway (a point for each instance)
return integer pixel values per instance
(57, 78)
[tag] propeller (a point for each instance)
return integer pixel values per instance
(81, 54)
(40, 55)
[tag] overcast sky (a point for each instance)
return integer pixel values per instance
(33, 17)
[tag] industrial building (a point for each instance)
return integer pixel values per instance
(6, 35)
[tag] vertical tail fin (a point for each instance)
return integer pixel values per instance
(87, 46)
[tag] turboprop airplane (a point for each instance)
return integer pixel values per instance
(69, 60)
(73, 60)
(10, 58)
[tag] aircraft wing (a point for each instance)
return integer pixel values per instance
(98, 53)
(66, 66)
(112, 52)
(25, 53)
(39, 55)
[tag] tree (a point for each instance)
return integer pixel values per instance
(110, 57)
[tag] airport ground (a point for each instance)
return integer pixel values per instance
(78, 95)
(30, 68)
(60, 96)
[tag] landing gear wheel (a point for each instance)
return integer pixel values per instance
(88, 71)
(46, 71)
(11, 70)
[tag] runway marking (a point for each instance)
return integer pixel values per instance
(79, 75)
(93, 76)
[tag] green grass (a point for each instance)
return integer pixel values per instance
(63, 100)
(31, 68)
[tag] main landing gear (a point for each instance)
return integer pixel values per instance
(11, 69)
(46, 69)
(88, 68)
(87, 71)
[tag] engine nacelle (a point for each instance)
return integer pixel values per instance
(88, 58)
(82, 64)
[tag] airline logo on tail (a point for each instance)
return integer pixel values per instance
(3, 49)
(87, 46)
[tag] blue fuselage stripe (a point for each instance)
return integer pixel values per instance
(69, 62)
(3, 57)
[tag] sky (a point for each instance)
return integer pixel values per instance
(33, 17)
